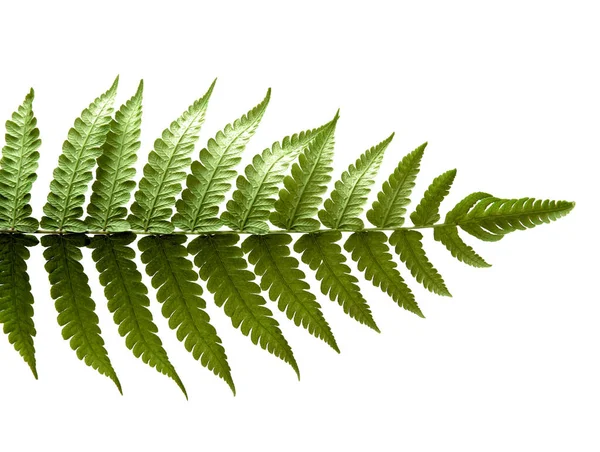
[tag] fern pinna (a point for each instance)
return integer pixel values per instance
(198, 247)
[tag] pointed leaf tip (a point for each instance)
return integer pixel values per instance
(140, 88)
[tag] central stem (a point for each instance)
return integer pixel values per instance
(271, 232)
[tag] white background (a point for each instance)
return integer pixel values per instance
(508, 94)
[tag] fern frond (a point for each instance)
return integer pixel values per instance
(223, 267)
(73, 301)
(388, 210)
(165, 170)
(115, 172)
(370, 252)
(172, 274)
(301, 196)
(18, 165)
(284, 281)
(345, 204)
(128, 301)
(74, 171)
(322, 254)
(427, 211)
(293, 204)
(253, 200)
(16, 301)
(198, 208)
(408, 245)
(491, 218)
(449, 237)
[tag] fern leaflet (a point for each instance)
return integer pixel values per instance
(322, 254)
(388, 210)
(113, 185)
(222, 266)
(491, 218)
(427, 212)
(345, 204)
(253, 200)
(18, 165)
(165, 170)
(74, 171)
(409, 246)
(301, 196)
(128, 301)
(173, 276)
(73, 301)
(284, 281)
(371, 253)
(449, 237)
(16, 300)
(209, 180)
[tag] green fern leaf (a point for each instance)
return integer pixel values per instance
(346, 201)
(73, 301)
(322, 254)
(128, 301)
(16, 301)
(491, 218)
(388, 210)
(222, 266)
(301, 196)
(74, 171)
(172, 274)
(253, 200)
(19, 163)
(449, 237)
(370, 252)
(113, 185)
(408, 245)
(165, 170)
(284, 281)
(198, 208)
(427, 212)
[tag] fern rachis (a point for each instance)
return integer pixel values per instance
(284, 184)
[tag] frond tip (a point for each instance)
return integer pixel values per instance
(492, 218)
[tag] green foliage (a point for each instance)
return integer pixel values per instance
(166, 168)
(427, 212)
(299, 201)
(449, 237)
(128, 301)
(346, 201)
(222, 266)
(74, 171)
(322, 254)
(17, 168)
(16, 301)
(210, 177)
(282, 278)
(114, 174)
(492, 218)
(72, 295)
(389, 208)
(172, 275)
(269, 190)
(370, 252)
(253, 200)
(409, 247)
